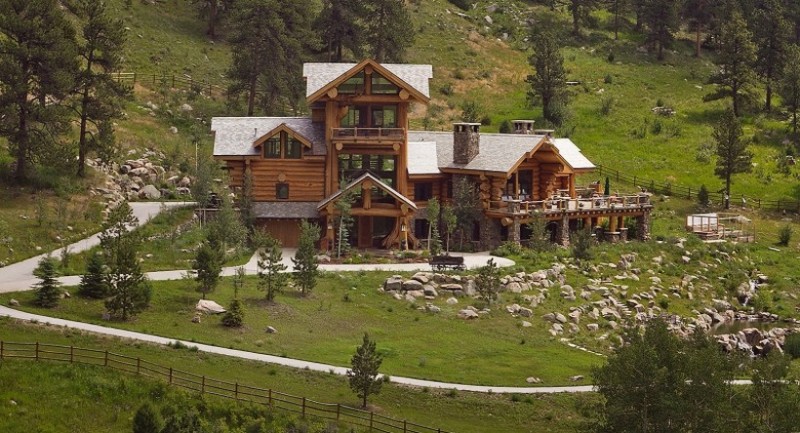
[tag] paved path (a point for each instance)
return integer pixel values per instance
(19, 276)
(288, 362)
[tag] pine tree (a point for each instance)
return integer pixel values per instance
(549, 80)
(579, 11)
(128, 287)
(246, 211)
(702, 197)
(234, 317)
(618, 9)
(214, 11)
(488, 281)
(389, 29)
(769, 30)
(789, 87)
(93, 281)
(272, 278)
(732, 154)
(147, 420)
(434, 241)
(363, 375)
(450, 223)
(117, 231)
(466, 206)
(269, 45)
(344, 220)
(735, 60)
(98, 93)
(37, 67)
(699, 14)
(226, 230)
(47, 289)
(661, 17)
(208, 268)
(305, 260)
(340, 25)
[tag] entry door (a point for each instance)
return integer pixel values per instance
(364, 232)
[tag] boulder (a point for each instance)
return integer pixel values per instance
(394, 282)
(173, 129)
(575, 316)
(13, 303)
(526, 324)
(576, 378)
(467, 314)
(196, 318)
(186, 108)
(432, 308)
(150, 192)
(561, 318)
(429, 290)
(451, 301)
(513, 287)
(533, 380)
(451, 287)
(422, 277)
(271, 330)
(185, 182)
(525, 312)
(592, 327)
(412, 285)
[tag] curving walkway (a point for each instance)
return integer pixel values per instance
(288, 362)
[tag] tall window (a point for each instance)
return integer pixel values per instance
(382, 86)
(382, 166)
(423, 191)
(354, 85)
(283, 146)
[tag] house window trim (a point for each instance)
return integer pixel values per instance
(284, 139)
(280, 187)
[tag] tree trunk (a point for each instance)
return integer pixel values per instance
(251, 96)
(82, 136)
(697, 41)
(364, 401)
(212, 19)
(22, 140)
(576, 16)
(616, 20)
(728, 190)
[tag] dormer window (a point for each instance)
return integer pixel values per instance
(283, 146)
(382, 86)
(354, 85)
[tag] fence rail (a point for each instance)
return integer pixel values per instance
(207, 385)
(171, 80)
(690, 193)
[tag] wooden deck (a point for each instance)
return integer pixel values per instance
(558, 207)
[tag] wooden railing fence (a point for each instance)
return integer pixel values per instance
(368, 420)
(690, 193)
(172, 81)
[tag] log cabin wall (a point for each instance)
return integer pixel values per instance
(305, 177)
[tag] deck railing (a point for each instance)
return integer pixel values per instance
(521, 206)
(355, 134)
(361, 419)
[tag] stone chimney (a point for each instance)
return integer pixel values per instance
(523, 126)
(466, 142)
(547, 132)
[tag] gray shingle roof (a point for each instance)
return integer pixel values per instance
(318, 75)
(286, 209)
(570, 152)
(234, 136)
(422, 158)
(498, 152)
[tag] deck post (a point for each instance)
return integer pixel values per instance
(514, 231)
(643, 226)
(563, 231)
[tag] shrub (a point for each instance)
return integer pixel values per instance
(446, 89)
(609, 79)
(792, 345)
(607, 105)
(785, 235)
(505, 127)
(702, 197)
(234, 317)
(147, 420)
(93, 282)
(610, 57)
(582, 244)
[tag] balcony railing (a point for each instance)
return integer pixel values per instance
(521, 206)
(368, 134)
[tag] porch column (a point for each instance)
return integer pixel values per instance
(514, 231)
(490, 233)
(621, 223)
(612, 224)
(563, 231)
(643, 226)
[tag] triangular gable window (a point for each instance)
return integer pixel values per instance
(354, 85)
(382, 86)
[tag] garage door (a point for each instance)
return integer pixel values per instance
(286, 231)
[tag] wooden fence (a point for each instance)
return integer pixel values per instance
(275, 400)
(170, 80)
(690, 193)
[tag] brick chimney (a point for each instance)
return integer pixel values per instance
(466, 142)
(523, 126)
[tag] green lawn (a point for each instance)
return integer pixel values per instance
(37, 386)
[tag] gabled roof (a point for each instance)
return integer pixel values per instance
(320, 77)
(572, 154)
(283, 127)
(235, 136)
(422, 158)
(377, 182)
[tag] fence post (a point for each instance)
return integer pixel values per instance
(170, 375)
(203, 385)
(138, 365)
(405, 430)
(71, 354)
(304, 407)
(371, 416)
(105, 359)
(36, 353)
(269, 398)
(690, 193)
(236, 391)
(134, 78)
(173, 81)
(1, 349)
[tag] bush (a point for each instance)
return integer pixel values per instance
(607, 105)
(582, 244)
(147, 420)
(505, 127)
(234, 317)
(702, 197)
(785, 235)
(792, 345)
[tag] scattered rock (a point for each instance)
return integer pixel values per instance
(271, 330)
(526, 324)
(467, 314)
(13, 303)
(576, 378)
(196, 318)
(451, 301)
(150, 192)
(533, 380)
(173, 129)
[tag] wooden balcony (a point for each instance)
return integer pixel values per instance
(557, 207)
(368, 135)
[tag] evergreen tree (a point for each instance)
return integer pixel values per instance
(699, 14)
(234, 317)
(129, 289)
(450, 222)
(363, 375)
(618, 9)
(214, 11)
(432, 212)
(341, 26)
(735, 60)
(305, 260)
(98, 93)
(271, 271)
(661, 17)
(93, 281)
(769, 30)
(47, 289)
(269, 44)
(208, 268)
(466, 206)
(147, 420)
(226, 231)
(389, 29)
(37, 67)
(732, 153)
(581, 241)
(773, 399)
(488, 281)
(246, 211)
(117, 231)
(702, 197)
(579, 10)
(789, 87)
(344, 220)
(549, 80)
